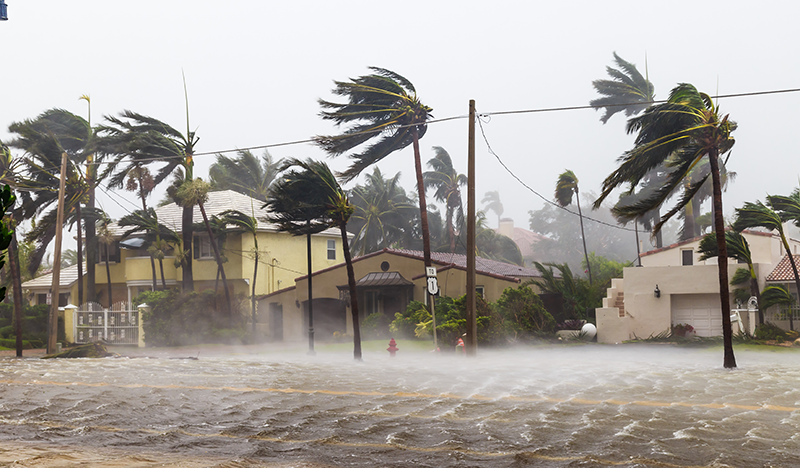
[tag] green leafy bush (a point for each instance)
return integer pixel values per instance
(523, 313)
(405, 324)
(177, 319)
(768, 331)
(375, 326)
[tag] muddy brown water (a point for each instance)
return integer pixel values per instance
(625, 405)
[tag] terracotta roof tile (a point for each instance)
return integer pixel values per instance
(783, 272)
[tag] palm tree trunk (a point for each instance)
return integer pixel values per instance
(796, 277)
(638, 250)
(351, 284)
(186, 263)
(219, 259)
(423, 205)
(583, 237)
(91, 241)
(108, 275)
(153, 267)
(729, 361)
(163, 280)
(451, 230)
(79, 248)
(16, 284)
(253, 293)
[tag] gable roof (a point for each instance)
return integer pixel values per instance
(783, 271)
(67, 278)
(171, 215)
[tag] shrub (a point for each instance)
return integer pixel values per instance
(375, 326)
(769, 331)
(177, 319)
(405, 324)
(523, 313)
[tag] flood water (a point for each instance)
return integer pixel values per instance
(629, 405)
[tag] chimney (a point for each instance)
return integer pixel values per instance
(506, 227)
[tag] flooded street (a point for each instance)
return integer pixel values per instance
(631, 405)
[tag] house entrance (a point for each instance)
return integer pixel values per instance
(118, 325)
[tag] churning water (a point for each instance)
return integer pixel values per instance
(627, 405)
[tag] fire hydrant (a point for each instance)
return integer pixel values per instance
(393, 349)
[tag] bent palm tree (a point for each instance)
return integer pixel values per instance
(244, 173)
(493, 203)
(680, 132)
(382, 106)
(447, 183)
(759, 215)
(739, 250)
(383, 213)
(308, 201)
(248, 224)
(627, 91)
(566, 187)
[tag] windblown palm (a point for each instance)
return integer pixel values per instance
(566, 187)
(738, 249)
(309, 200)
(679, 133)
(383, 213)
(382, 106)
(244, 173)
(146, 222)
(759, 215)
(134, 140)
(627, 90)
(492, 201)
(248, 224)
(447, 183)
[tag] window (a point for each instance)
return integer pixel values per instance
(479, 291)
(370, 302)
(687, 257)
(112, 249)
(202, 247)
(331, 249)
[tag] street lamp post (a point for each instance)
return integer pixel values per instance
(3, 11)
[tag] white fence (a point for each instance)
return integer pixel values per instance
(118, 325)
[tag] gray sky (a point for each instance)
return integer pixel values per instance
(254, 70)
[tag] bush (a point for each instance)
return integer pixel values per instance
(523, 314)
(768, 332)
(375, 327)
(177, 319)
(405, 324)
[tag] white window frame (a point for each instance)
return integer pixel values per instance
(205, 251)
(331, 249)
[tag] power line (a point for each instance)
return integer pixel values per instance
(493, 153)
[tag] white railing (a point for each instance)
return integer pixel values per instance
(118, 325)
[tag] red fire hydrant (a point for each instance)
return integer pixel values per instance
(393, 349)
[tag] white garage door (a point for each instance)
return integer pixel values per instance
(702, 311)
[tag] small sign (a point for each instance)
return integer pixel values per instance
(430, 272)
(433, 285)
(50, 297)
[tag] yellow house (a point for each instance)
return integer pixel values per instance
(282, 257)
(386, 281)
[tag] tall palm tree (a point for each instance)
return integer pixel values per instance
(566, 187)
(627, 91)
(738, 249)
(133, 141)
(687, 128)
(146, 222)
(193, 193)
(106, 238)
(383, 213)
(492, 201)
(757, 214)
(245, 173)
(381, 106)
(248, 224)
(447, 183)
(307, 200)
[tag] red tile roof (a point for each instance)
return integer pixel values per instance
(783, 272)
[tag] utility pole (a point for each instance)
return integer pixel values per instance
(471, 344)
(52, 324)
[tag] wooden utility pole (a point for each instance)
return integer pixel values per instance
(52, 324)
(471, 343)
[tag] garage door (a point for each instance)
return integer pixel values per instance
(702, 311)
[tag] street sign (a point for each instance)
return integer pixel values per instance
(430, 272)
(433, 285)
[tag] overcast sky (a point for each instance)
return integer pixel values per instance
(255, 69)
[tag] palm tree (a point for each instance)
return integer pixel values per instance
(738, 249)
(492, 201)
(566, 187)
(687, 128)
(447, 183)
(106, 238)
(383, 213)
(248, 224)
(146, 221)
(310, 200)
(193, 193)
(759, 215)
(627, 91)
(244, 173)
(777, 295)
(133, 141)
(382, 106)
(490, 244)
